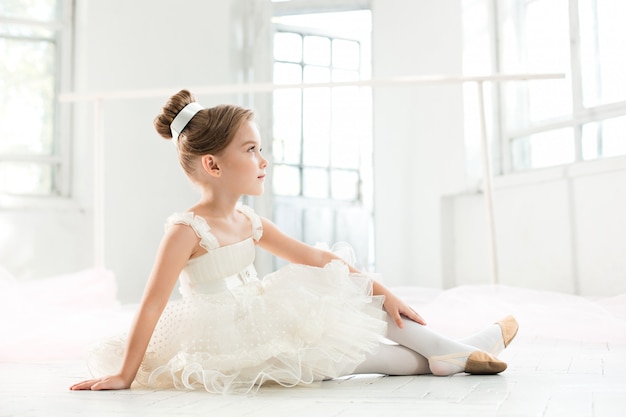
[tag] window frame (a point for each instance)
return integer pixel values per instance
(301, 165)
(579, 115)
(299, 208)
(60, 157)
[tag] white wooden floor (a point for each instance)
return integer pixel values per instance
(545, 378)
(569, 359)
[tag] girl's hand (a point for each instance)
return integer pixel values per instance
(398, 308)
(104, 383)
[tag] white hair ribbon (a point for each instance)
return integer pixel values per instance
(183, 117)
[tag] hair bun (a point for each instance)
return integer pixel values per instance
(169, 111)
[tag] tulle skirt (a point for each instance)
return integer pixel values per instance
(298, 325)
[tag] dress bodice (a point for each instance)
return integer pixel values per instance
(221, 267)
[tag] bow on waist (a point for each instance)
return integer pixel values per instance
(214, 286)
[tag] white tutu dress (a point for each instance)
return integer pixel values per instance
(234, 332)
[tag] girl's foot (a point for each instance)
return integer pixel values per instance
(447, 356)
(476, 363)
(509, 328)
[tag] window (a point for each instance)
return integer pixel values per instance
(34, 41)
(322, 136)
(554, 122)
(318, 132)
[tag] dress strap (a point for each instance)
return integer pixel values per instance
(207, 240)
(257, 226)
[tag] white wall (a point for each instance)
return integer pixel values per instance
(144, 45)
(418, 135)
(427, 233)
(559, 229)
(140, 44)
(417, 126)
(45, 239)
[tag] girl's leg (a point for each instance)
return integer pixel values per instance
(445, 356)
(394, 360)
(400, 360)
(495, 337)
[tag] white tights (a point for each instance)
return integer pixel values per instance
(423, 351)
(394, 360)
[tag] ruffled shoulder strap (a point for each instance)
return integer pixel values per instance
(198, 224)
(257, 226)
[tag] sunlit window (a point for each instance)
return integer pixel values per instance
(318, 132)
(554, 122)
(603, 61)
(31, 34)
(322, 136)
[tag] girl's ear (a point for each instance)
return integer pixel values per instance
(210, 165)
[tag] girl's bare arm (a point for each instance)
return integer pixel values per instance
(175, 249)
(295, 251)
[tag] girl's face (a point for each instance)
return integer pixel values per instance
(242, 164)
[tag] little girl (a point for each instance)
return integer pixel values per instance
(316, 318)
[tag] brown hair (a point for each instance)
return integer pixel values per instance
(208, 132)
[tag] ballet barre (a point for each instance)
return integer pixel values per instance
(97, 98)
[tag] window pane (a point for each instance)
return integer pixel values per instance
(27, 31)
(288, 47)
(287, 73)
(324, 59)
(614, 136)
(590, 140)
(606, 138)
(347, 124)
(477, 56)
(554, 147)
(535, 39)
(30, 49)
(30, 9)
(346, 104)
(315, 183)
(27, 99)
(316, 74)
(345, 185)
(345, 75)
(547, 35)
(318, 225)
(316, 50)
(603, 36)
(346, 54)
(316, 128)
(286, 180)
(345, 148)
(360, 21)
(287, 126)
(548, 99)
(25, 178)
